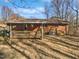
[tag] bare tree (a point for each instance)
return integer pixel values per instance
(56, 4)
(6, 13)
(46, 11)
(75, 9)
(60, 7)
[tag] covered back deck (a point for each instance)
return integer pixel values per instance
(34, 29)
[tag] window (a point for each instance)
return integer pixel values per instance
(21, 27)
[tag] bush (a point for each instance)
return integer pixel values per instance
(4, 33)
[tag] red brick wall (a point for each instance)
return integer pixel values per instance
(53, 28)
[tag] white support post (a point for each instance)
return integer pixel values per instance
(10, 31)
(42, 31)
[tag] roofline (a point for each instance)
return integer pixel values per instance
(41, 23)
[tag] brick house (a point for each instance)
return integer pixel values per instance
(19, 26)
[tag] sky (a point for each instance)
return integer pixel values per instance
(26, 8)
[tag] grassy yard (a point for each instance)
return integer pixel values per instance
(6, 52)
(50, 47)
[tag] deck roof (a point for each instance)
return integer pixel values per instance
(38, 22)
